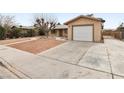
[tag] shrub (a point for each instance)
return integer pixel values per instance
(41, 32)
(31, 33)
(9, 34)
(2, 33)
(15, 33)
(23, 34)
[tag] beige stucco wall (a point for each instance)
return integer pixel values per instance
(84, 21)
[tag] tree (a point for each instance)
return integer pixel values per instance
(2, 33)
(121, 27)
(7, 22)
(58, 23)
(90, 15)
(45, 23)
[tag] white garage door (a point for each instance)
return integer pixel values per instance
(83, 33)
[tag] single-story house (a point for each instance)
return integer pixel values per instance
(85, 28)
(26, 29)
(59, 31)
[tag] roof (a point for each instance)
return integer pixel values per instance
(87, 17)
(108, 29)
(122, 25)
(61, 27)
(26, 27)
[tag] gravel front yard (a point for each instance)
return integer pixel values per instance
(37, 46)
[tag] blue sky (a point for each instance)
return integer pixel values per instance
(112, 19)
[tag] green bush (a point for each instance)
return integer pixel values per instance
(23, 34)
(15, 33)
(2, 33)
(31, 33)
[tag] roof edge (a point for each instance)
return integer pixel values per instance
(82, 16)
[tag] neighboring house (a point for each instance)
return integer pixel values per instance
(60, 31)
(121, 30)
(26, 29)
(85, 28)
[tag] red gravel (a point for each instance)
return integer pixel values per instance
(37, 46)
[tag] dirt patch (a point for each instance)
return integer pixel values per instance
(37, 46)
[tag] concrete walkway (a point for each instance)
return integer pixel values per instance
(69, 60)
(21, 42)
(116, 56)
(18, 40)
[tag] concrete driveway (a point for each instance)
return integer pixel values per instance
(69, 52)
(69, 60)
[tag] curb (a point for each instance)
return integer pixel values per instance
(13, 70)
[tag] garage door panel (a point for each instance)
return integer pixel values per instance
(83, 33)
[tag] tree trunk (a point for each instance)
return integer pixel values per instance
(46, 34)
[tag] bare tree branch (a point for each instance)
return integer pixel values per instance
(7, 21)
(45, 22)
